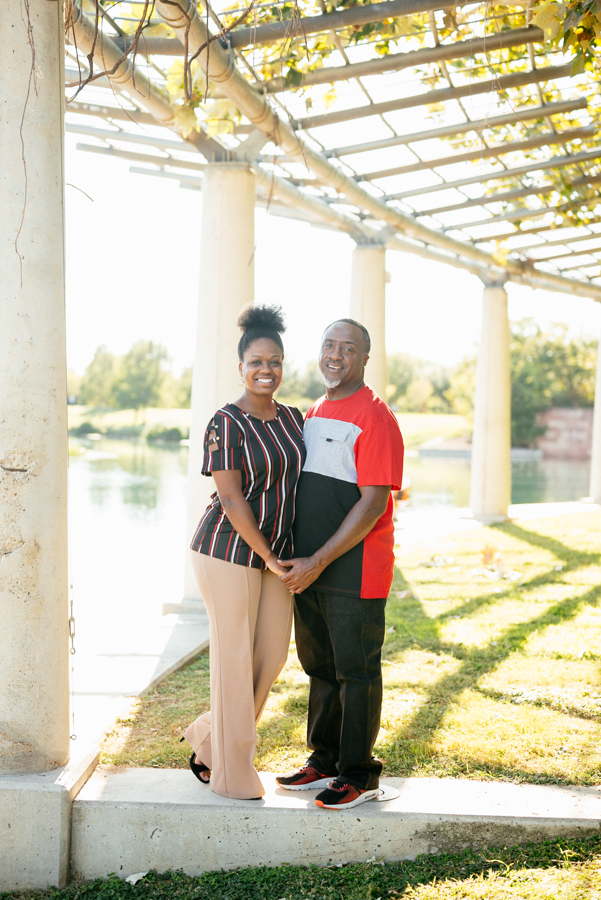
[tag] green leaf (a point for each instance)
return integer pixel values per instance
(577, 65)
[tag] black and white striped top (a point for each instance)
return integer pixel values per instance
(270, 455)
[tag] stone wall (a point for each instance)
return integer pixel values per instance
(569, 433)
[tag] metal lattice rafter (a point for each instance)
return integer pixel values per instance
(439, 95)
(541, 140)
(188, 25)
(555, 162)
(336, 196)
(506, 196)
(521, 114)
(301, 26)
(396, 61)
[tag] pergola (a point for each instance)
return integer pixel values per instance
(502, 185)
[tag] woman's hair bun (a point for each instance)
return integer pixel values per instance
(266, 319)
(260, 322)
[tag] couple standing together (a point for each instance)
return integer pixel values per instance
(303, 509)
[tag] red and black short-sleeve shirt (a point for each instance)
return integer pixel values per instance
(270, 455)
(350, 443)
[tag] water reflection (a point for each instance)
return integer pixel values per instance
(140, 478)
(138, 473)
(548, 481)
(437, 481)
(127, 526)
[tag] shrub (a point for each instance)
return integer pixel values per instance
(82, 429)
(161, 434)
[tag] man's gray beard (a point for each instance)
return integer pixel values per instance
(332, 384)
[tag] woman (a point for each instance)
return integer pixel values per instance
(254, 450)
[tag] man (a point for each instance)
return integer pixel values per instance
(343, 538)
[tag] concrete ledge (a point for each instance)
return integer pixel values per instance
(35, 825)
(132, 820)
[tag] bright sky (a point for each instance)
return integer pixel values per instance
(132, 273)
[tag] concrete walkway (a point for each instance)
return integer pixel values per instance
(131, 820)
(119, 659)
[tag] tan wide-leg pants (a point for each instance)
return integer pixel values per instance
(250, 616)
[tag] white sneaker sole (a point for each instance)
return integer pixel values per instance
(313, 786)
(362, 798)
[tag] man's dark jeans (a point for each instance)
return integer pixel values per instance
(339, 641)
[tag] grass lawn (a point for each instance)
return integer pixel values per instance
(416, 427)
(491, 666)
(114, 419)
(554, 870)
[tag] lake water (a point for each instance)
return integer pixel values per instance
(439, 481)
(127, 507)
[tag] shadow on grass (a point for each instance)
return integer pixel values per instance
(571, 559)
(415, 738)
(574, 558)
(542, 703)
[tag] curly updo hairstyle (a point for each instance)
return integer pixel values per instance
(260, 322)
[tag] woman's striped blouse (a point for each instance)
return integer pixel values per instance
(270, 455)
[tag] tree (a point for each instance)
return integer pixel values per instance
(418, 394)
(73, 385)
(460, 392)
(417, 385)
(313, 383)
(184, 388)
(402, 370)
(98, 380)
(140, 376)
(547, 369)
(308, 384)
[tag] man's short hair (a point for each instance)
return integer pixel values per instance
(357, 325)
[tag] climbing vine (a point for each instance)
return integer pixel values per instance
(573, 25)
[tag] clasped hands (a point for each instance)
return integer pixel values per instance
(296, 574)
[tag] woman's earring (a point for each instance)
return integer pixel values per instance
(242, 382)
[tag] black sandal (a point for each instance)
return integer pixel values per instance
(198, 770)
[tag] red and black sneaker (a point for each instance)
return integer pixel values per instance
(341, 795)
(304, 779)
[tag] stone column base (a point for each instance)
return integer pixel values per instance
(35, 825)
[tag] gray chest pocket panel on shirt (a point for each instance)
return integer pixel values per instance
(331, 448)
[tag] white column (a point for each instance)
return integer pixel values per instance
(368, 306)
(595, 489)
(490, 490)
(34, 683)
(226, 285)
